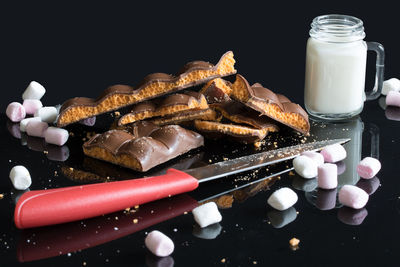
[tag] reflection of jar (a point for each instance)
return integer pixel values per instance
(336, 65)
(353, 129)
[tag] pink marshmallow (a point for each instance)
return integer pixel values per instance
(15, 112)
(56, 136)
(327, 176)
(36, 128)
(334, 153)
(351, 216)
(317, 157)
(393, 99)
(368, 167)
(159, 244)
(32, 105)
(353, 196)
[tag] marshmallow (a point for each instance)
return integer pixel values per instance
(36, 128)
(353, 197)
(317, 157)
(306, 185)
(159, 244)
(47, 114)
(326, 199)
(351, 216)
(393, 99)
(34, 91)
(89, 121)
(327, 176)
(15, 112)
(279, 219)
(392, 84)
(32, 105)
(368, 167)
(305, 167)
(56, 136)
(209, 232)
(24, 123)
(334, 153)
(370, 185)
(207, 214)
(20, 177)
(283, 198)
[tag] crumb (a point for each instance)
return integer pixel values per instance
(254, 262)
(294, 243)
(117, 113)
(71, 169)
(1, 196)
(45, 152)
(223, 260)
(137, 206)
(55, 173)
(135, 220)
(210, 160)
(291, 173)
(84, 263)
(225, 159)
(257, 144)
(185, 212)
(71, 134)
(127, 209)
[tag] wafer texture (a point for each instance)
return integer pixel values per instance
(153, 85)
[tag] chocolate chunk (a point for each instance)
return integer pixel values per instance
(243, 134)
(142, 153)
(187, 116)
(163, 107)
(153, 85)
(217, 90)
(240, 113)
(275, 106)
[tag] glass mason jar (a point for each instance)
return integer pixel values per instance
(336, 65)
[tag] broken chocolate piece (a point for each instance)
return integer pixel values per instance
(187, 116)
(275, 106)
(170, 105)
(144, 153)
(239, 133)
(240, 113)
(217, 90)
(153, 85)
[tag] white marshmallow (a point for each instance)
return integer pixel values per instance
(24, 122)
(393, 99)
(207, 214)
(317, 157)
(56, 136)
(283, 198)
(305, 167)
(20, 177)
(392, 84)
(334, 153)
(159, 244)
(47, 114)
(34, 91)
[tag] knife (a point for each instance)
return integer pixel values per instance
(60, 205)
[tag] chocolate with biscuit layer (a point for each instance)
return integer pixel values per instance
(217, 90)
(162, 107)
(143, 153)
(152, 86)
(275, 106)
(187, 116)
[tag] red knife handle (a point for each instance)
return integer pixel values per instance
(61, 205)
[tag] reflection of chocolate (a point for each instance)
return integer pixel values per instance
(57, 153)
(392, 113)
(326, 199)
(154, 261)
(61, 239)
(369, 185)
(306, 185)
(209, 232)
(13, 129)
(280, 219)
(36, 143)
(352, 216)
(153, 85)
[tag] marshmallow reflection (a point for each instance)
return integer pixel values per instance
(13, 129)
(36, 143)
(341, 167)
(154, 261)
(326, 199)
(352, 216)
(306, 185)
(382, 102)
(57, 153)
(209, 232)
(392, 113)
(280, 219)
(369, 185)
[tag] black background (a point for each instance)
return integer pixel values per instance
(80, 49)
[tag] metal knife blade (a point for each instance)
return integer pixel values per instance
(246, 163)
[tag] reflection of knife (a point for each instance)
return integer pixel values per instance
(53, 206)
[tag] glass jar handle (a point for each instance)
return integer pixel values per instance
(380, 60)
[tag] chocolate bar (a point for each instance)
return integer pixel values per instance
(143, 153)
(239, 133)
(217, 90)
(187, 116)
(153, 85)
(240, 113)
(275, 106)
(170, 105)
